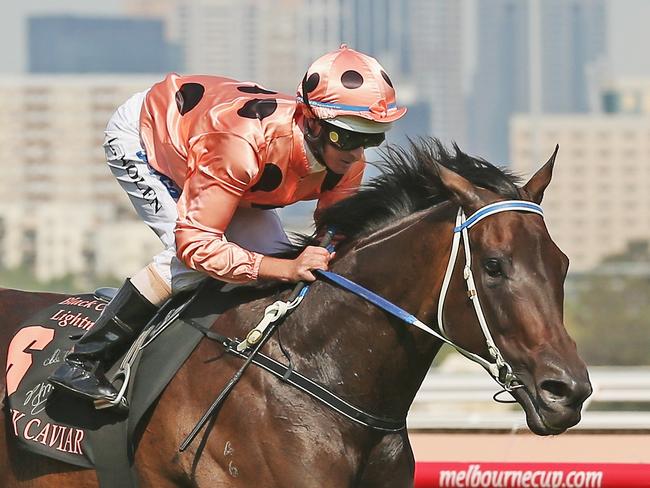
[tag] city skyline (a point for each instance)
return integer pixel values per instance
(552, 71)
(425, 60)
(434, 50)
(628, 35)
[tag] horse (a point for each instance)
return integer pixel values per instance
(397, 237)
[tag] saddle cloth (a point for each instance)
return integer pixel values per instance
(60, 426)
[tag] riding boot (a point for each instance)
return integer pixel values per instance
(83, 371)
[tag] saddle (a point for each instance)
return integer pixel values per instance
(60, 426)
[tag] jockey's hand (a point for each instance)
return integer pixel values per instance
(299, 269)
(311, 258)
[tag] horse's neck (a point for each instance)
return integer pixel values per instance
(366, 356)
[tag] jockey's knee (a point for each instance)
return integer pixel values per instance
(152, 284)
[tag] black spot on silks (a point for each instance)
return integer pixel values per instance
(255, 89)
(331, 180)
(188, 96)
(312, 82)
(386, 78)
(351, 79)
(270, 179)
(258, 108)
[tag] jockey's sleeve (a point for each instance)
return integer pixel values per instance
(221, 166)
(348, 186)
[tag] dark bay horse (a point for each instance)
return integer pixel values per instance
(398, 236)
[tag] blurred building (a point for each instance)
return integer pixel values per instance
(246, 40)
(500, 86)
(322, 25)
(150, 8)
(598, 201)
(436, 65)
(380, 28)
(625, 95)
(572, 41)
(76, 44)
(56, 191)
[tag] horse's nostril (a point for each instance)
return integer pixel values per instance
(555, 390)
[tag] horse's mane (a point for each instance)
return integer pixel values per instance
(409, 182)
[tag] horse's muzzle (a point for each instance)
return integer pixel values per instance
(555, 401)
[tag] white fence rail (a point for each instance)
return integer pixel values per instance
(463, 400)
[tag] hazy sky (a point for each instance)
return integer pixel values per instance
(629, 35)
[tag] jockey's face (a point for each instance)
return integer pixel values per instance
(341, 148)
(338, 160)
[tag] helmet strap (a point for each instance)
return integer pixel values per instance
(315, 142)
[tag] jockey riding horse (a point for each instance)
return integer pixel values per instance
(205, 160)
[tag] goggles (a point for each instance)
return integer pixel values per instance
(347, 140)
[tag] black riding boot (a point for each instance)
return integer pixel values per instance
(83, 371)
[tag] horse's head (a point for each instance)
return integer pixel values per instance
(399, 236)
(519, 274)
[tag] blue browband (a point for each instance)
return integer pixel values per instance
(338, 106)
(499, 207)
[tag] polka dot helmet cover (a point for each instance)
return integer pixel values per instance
(349, 83)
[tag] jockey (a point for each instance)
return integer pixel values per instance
(205, 160)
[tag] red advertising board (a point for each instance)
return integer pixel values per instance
(430, 475)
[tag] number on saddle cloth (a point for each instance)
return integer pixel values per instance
(41, 421)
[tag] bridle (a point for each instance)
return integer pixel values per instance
(497, 366)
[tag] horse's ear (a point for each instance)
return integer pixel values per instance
(540, 180)
(462, 189)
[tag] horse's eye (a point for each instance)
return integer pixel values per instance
(493, 267)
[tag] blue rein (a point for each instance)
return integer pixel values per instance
(368, 295)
